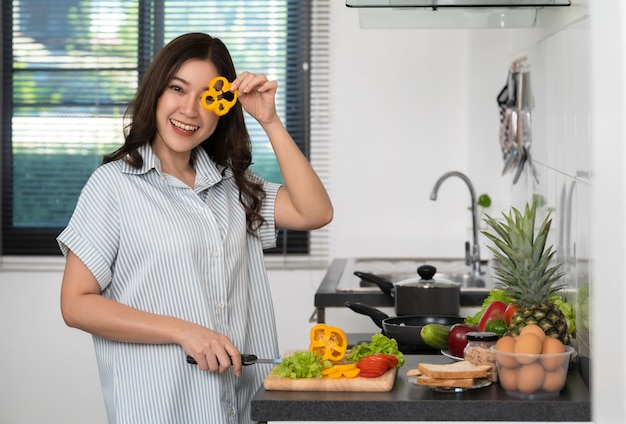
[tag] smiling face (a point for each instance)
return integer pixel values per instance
(181, 121)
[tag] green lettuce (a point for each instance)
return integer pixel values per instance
(568, 310)
(379, 344)
(302, 364)
(582, 307)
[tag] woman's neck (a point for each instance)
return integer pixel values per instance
(179, 166)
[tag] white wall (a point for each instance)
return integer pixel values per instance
(407, 106)
(608, 52)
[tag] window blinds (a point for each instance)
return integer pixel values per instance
(70, 68)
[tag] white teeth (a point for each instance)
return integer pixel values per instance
(183, 126)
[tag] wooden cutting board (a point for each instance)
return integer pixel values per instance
(384, 383)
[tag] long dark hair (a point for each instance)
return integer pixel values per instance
(229, 145)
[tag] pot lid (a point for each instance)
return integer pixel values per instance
(426, 279)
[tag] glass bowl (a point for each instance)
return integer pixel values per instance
(532, 376)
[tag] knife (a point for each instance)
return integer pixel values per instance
(246, 359)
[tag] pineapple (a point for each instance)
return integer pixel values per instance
(521, 268)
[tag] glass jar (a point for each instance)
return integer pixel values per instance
(478, 350)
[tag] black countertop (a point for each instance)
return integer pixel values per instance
(409, 402)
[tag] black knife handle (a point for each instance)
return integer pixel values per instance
(246, 359)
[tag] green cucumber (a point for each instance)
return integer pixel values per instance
(435, 335)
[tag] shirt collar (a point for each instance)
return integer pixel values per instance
(208, 172)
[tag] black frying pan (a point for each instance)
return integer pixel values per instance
(405, 329)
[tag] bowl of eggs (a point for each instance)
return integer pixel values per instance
(532, 365)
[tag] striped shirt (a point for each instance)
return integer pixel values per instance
(161, 246)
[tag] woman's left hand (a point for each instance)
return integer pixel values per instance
(257, 95)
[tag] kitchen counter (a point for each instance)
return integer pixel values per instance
(409, 402)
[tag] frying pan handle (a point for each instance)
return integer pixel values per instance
(385, 285)
(376, 315)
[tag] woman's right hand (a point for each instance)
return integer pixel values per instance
(212, 351)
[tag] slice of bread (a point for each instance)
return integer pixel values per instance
(455, 370)
(445, 382)
(413, 372)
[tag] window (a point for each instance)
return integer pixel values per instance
(70, 67)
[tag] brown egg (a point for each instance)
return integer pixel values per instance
(535, 329)
(530, 378)
(508, 378)
(553, 347)
(506, 344)
(528, 345)
(554, 380)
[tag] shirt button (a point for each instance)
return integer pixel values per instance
(215, 253)
(200, 210)
(219, 305)
(232, 411)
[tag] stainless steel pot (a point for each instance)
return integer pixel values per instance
(421, 295)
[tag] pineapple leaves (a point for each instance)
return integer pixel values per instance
(521, 261)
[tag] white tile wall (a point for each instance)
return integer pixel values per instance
(560, 72)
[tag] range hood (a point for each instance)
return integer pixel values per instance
(380, 14)
(434, 4)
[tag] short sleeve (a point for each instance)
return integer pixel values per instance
(268, 231)
(93, 232)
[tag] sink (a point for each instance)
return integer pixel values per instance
(398, 269)
(466, 279)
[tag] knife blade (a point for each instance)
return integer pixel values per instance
(246, 359)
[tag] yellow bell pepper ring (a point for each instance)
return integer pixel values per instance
(218, 98)
(338, 371)
(328, 342)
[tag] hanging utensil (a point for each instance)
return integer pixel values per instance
(509, 140)
(524, 127)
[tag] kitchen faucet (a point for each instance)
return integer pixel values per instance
(472, 258)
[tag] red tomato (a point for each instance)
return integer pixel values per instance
(372, 374)
(371, 369)
(376, 365)
(495, 310)
(391, 359)
(509, 311)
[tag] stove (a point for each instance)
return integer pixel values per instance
(395, 270)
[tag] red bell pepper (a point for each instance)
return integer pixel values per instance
(510, 310)
(495, 310)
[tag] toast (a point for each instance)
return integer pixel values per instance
(445, 382)
(455, 370)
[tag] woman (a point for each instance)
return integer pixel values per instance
(164, 252)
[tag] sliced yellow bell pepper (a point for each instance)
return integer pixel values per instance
(338, 374)
(338, 371)
(328, 342)
(338, 368)
(218, 98)
(352, 373)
